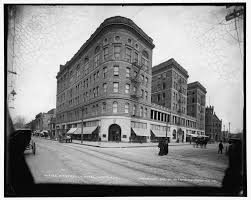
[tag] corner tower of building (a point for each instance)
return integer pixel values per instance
(107, 83)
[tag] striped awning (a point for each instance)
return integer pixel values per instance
(86, 130)
(158, 133)
(193, 135)
(140, 132)
(71, 131)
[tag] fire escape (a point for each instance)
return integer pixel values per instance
(135, 81)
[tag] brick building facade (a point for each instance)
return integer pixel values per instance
(105, 90)
(196, 101)
(213, 125)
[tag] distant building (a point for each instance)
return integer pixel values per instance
(196, 101)
(214, 125)
(52, 126)
(42, 120)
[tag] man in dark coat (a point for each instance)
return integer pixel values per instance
(166, 147)
(220, 147)
(161, 147)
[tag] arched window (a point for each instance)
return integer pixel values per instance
(115, 107)
(97, 49)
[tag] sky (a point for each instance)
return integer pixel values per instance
(197, 37)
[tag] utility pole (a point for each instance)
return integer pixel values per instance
(229, 127)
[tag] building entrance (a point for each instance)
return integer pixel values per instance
(114, 133)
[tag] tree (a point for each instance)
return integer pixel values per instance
(19, 122)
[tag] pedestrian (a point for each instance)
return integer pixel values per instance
(161, 147)
(166, 147)
(220, 147)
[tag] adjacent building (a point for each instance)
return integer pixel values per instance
(214, 125)
(109, 91)
(196, 101)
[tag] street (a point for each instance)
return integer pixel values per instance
(185, 165)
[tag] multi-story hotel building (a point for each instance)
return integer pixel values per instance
(105, 90)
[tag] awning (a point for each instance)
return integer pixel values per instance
(71, 131)
(158, 133)
(86, 130)
(140, 132)
(45, 131)
(193, 135)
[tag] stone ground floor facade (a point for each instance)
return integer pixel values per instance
(126, 129)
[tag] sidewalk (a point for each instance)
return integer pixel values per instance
(122, 144)
(119, 144)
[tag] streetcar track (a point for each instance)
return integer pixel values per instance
(149, 165)
(105, 169)
(171, 168)
(139, 163)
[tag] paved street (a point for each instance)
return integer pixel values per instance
(185, 165)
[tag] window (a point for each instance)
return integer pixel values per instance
(158, 97)
(145, 59)
(97, 56)
(115, 107)
(116, 70)
(97, 90)
(146, 95)
(128, 72)
(136, 57)
(129, 41)
(104, 72)
(145, 115)
(127, 108)
(128, 54)
(106, 53)
(142, 77)
(78, 71)
(117, 38)
(134, 89)
(141, 112)
(134, 74)
(142, 93)
(104, 107)
(105, 41)
(163, 95)
(136, 46)
(164, 86)
(146, 81)
(115, 87)
(117, 50)
(127, 88)
(94, 78)
(96, 60)
(105, 87)
(86, 66)
(94, 93)
(134, 110)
